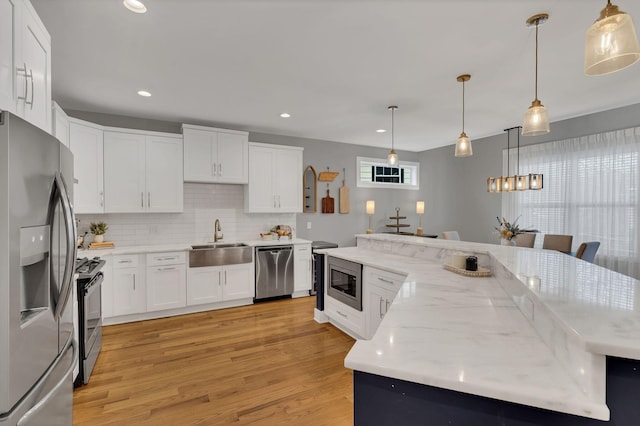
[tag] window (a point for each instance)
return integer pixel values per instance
(376, 173)
(591, 191)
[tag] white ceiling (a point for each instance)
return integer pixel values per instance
(335, 65)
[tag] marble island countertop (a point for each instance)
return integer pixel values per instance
(536, 333)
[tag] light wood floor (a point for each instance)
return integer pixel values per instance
(265, 364)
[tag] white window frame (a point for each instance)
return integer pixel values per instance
(368, 162)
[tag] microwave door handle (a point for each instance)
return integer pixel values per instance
(70, 228)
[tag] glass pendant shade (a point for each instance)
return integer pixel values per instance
(494, 184)
(508, 183)
(535, 181)
(522, 182)
(536, 120)
(611, 43)
(463, 146)
(392, 158)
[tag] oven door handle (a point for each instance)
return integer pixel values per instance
(94, 284)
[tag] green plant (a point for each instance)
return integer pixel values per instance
(98, 228)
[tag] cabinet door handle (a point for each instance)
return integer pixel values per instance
(32, 94)
(134, 282)
(278, 201)
(385, 281)
(274, 201)
(219, 169)
(341, 314)
(166, 258)
(124, 261)
(380, 308)
(101, 198)
(149, 199)
(142, 199)
(225, 277)
(387, 308)
(219, 278)
(26, 80)
(215, 169)
(167, 269)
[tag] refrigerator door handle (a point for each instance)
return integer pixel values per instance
(70, 227)
(45, 400)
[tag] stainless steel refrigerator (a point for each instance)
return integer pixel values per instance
(37, 253)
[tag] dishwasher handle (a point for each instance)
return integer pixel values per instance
(275, 249)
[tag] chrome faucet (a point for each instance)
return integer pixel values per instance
(216, 228)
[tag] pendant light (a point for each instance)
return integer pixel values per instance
(611, 43)
(516, 182)
(536, 120)
(463, 145)
(392, 158)
(508, 182)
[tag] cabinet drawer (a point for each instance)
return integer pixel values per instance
(348, 317)
(166, 258)
(302, 250)
(383, 279)
(125, 261)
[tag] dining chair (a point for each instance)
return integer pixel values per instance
(527, 239)
(587, 251)
(557, 242)
(450, 235)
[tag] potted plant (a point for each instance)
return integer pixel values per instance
(98, 229)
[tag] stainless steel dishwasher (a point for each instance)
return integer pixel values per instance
(274, 271)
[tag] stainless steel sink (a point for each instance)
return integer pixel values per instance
(219, 254)
(217, 245)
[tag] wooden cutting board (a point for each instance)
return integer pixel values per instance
(344, 196)
(327, 204)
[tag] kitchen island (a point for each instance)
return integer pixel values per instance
(549, 339)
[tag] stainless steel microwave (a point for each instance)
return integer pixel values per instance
(345, 282)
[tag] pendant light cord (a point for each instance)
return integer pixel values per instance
(462, 106)
(518, 168)
(392, 131)
(537, 24)
(508, 154)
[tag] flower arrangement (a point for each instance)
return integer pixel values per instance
(508, 230)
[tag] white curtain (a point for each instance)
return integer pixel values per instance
(591, 191)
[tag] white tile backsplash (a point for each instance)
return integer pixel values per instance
(203, 204)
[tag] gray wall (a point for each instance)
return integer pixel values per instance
(341, 228)
(454, 189)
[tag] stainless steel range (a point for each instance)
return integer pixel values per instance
(89, 284)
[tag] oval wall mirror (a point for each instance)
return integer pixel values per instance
(309, 193)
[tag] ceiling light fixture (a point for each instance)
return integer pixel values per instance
(135, 6)
(516, 182)
(536, 120)
(611, 43)
(285, 115)
(463, 145)
(392, 158)
(144, 93)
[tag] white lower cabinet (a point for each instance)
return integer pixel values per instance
(107, 287)
(129, 285)
(220, 283)
(301, 269)
(166, 281)
(380, 288)
(350, 320)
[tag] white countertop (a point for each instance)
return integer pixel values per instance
(470, 335)
(183, 247)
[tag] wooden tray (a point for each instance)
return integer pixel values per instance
(103, 245)
(481, 272)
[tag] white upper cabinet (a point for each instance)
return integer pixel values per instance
(60, 124)
(9, 16)
(142, 172)
(275, 179)
(86, 144)
(25, 63)
(215, 155)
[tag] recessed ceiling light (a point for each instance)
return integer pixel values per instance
(135, 6)
(381, 131)
(285, 115)
(144, 93)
